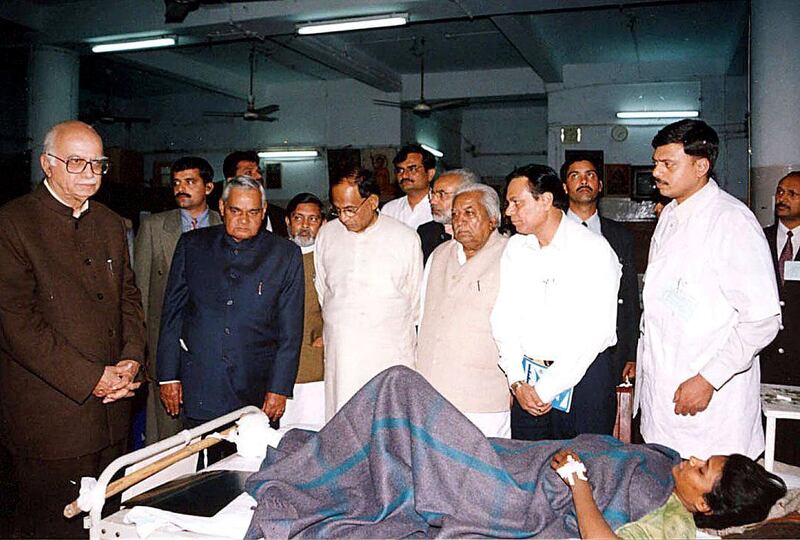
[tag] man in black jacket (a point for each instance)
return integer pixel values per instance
(584, 184)
(440, 229)
(780, 360)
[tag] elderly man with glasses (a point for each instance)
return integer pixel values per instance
(457, 353)
(71, 332)
(440, 228)
(368, 275)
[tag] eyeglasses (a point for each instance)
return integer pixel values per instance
(348, 211)
(792, 194)
(76, 165)
(411, 169)
(440, 194)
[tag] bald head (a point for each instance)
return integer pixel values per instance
(73, 162)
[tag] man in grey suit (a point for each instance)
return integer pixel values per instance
(192, 182)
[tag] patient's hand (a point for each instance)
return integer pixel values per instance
(564, 457)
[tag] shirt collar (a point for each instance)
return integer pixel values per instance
(187, 217)
(75, 213)
(592, 221)
(695, 202)
(307, 249)
(558, 238)
(783, 229)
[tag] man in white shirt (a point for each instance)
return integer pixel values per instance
(710, 305)
(557, 307)
(415, 168)
(457, 353)
(368, 277)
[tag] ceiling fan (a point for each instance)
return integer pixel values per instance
(251, 113)
(421, 107)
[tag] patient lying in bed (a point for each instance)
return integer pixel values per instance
(398, 460)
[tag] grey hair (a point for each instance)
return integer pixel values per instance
(467, 176)
(49, 143)
(489, 199)
(243, 182)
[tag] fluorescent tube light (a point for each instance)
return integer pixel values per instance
(345, 25)
(658, 114)
(134, 45)
(432, 150)
(289, 154)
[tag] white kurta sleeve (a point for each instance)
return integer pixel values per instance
(505, 317)
(319, 266)
(747, 278)
(592, 325)
(414, 279)
(426, 274)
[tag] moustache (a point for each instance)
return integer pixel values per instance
(585, 188)
(182, 194)
(782, 205)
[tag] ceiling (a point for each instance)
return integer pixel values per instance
(454, 35)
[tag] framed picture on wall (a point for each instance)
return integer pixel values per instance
(162, 173)
(644, 185)
(272, 175)
(617, 180)
(379, 161)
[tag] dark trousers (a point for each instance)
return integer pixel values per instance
(214, 453)
(593, 410)
(46, 486)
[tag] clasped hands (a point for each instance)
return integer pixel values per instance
(529, 400)
(117, 381)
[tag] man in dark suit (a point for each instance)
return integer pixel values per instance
(584, 184)
(232, 321)
(780, 360)
(71, 332)
(192, 182)
(440, 230)
(245, 163)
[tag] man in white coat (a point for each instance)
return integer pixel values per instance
(368, 277)
(710, 305)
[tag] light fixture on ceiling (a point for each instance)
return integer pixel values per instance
(657, 114)
(136, 45)
(357, 23)
(280, 154)
(432, 150)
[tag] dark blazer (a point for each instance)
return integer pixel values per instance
(68, 308)
(431, 234)
(277, 218)
(780, 360)
(153, 249)
(628, 310)
(237, 308)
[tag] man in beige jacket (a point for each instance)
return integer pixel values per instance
(456, 351)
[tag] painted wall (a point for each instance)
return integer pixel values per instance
(320, 114)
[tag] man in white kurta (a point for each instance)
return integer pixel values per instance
(368, 277)
(710, 305)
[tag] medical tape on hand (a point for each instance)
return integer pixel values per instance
(570, 468)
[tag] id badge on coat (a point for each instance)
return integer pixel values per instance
(791, 271)
(680, 300)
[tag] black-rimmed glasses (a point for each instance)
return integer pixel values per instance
(76, 165)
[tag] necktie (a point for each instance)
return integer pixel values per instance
(584, 224)
(194, 223)
(786, 254)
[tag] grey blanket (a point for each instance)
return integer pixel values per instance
(400, 461)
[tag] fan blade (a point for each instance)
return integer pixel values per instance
(386, 102)
(448, 104)
(267, 109)
(223, 114)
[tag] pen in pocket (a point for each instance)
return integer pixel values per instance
(260, 287)
(110, 264)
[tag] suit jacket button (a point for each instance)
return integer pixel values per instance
(87, 261)
(780, 327)
(780, 350)
(229, 302)
(620, 301)
(782, 303)
(99, 296)
(111, 332)
(235, 251)
(160, 273)
(227, 331)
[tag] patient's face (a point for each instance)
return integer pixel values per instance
(694, 478)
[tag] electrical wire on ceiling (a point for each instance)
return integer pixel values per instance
(630, 22)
